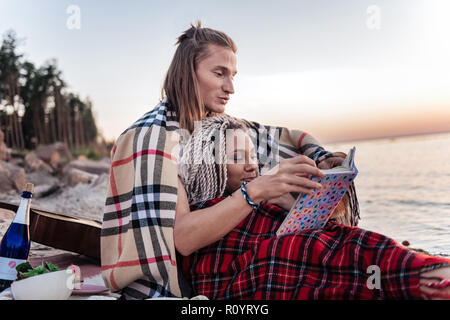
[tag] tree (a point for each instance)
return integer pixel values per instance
(10, 64)
(35, 107)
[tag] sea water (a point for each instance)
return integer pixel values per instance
(403, 188)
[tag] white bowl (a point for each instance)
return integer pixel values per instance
(57, 285)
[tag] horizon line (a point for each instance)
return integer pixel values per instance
(385, 137)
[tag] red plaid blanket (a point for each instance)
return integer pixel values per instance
(252, 263)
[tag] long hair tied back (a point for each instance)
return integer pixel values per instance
(202, 168)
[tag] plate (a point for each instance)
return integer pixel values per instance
(89, 289)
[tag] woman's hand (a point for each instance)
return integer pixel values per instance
(290, 175)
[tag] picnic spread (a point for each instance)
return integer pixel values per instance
(78, 241)
(76, 245)
(92, 285)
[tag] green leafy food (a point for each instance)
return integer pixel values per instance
(25, 270)
(35, 271)
(51, 267)
(24, 267)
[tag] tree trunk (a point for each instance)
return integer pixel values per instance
(35, 122)
(59, 118)
(52, 122)
(18, 131)
(75, 131)
(7, 131)
(82, 132)
(12, 131)
(69, 127)
(63, 119)
(38, 122)
(21, 137)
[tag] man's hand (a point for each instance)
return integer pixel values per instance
(334, 161)
(284, 201)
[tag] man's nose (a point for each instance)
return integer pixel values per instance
(228, 86)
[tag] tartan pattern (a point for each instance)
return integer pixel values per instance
(137, 230)
(250, 262)
(138, 256)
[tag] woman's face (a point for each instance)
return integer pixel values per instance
(215, 78)
(242, 163)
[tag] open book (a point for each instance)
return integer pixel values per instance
(313, 211)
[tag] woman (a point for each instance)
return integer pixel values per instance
(138, 255)
(242, 258)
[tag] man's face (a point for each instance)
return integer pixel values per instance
(215, 78)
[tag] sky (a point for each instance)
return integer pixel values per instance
(340, 70)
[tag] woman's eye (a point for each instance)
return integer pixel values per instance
(218, 74)
(236, 158)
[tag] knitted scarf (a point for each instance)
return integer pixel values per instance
(138, 255)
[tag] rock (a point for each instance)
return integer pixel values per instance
(6, 215)
(34, 163)
(44, 184)
(82, 157)
(55, 160)
(17, 161)
(106, 160)
(12, 177)
(5, 181)
(101, 180)
(40, 178)
(94, 167)
(45, 190)
(49, 154)
(63, 151)
(54, 154)
(19, 179)
(74, 176)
